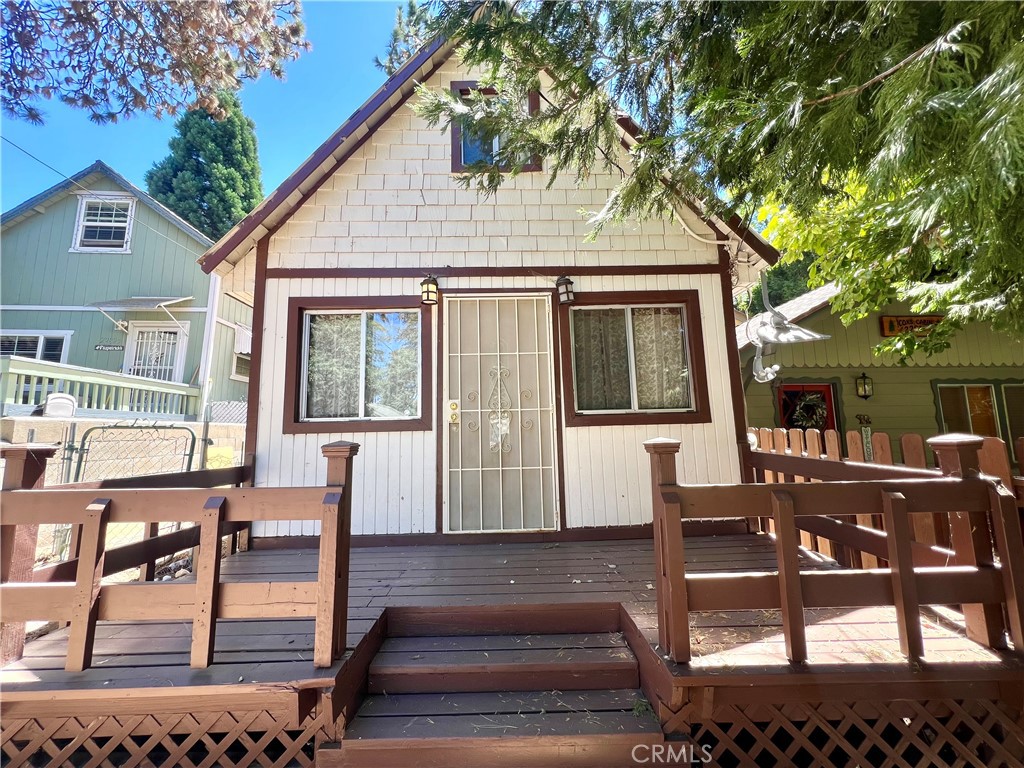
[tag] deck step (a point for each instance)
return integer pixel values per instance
(491, 663)
(529, 729)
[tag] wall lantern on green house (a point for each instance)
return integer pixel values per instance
(428, 290)
(865, 386)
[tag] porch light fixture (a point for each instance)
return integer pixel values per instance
(566, 295)
(865, 387)
(428, 290)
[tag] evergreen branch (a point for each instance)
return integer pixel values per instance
(856, 89)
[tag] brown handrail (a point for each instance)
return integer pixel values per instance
(972, 579)
(196, 478)
(72, 591)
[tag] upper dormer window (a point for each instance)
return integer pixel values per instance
(471, 145)
(104, 224)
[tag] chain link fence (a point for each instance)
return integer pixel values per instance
(89, 453)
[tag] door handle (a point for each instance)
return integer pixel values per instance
(453, 411)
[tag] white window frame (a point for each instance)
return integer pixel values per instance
(634, 398)
(364, 313)
(963, 385)
(66, 335)
(234, 375)
(102, 197)
(134, 326)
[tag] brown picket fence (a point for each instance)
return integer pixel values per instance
(993, 460)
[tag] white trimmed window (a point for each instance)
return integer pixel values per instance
(104, 224)
(51, 346)
(241, 361)
(240, 368)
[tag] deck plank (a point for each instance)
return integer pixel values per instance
(154, 653)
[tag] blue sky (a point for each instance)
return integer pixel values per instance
(293, 117)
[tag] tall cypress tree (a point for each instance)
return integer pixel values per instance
(211, 178)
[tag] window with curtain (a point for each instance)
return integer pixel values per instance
(361, 365)
(630, 359)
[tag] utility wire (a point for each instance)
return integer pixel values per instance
(132, 218)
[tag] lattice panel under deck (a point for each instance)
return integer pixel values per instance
(906, 734)
(203, 740)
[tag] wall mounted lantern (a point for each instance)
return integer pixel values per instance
(428, 290)
(566, 295)
(865, 386)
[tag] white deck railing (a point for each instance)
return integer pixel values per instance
(27, 382)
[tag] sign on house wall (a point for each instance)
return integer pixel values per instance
(894, 325)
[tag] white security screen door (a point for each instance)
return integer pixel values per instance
(498, 401)
(155, 350)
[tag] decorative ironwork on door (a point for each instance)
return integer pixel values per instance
(499, 468)
(499, 416)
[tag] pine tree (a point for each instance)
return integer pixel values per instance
(409, 35)
(212, 176)
(888, 137)
(116, 58)
(786, 280)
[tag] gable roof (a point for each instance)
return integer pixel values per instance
(80, 180)
(330, 155)
(794, 310)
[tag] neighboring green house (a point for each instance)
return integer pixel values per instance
(97, 276)
(977, 385)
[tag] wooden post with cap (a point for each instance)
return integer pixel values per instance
(669, 563)
(970, 533)
(24, 469)
(335, 543)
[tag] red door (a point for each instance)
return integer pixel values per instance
(807, 406)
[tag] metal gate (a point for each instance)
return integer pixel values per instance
(124, 450)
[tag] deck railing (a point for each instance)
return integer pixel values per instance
(28, 382)
(795, 455)
(913, 577)
(72, 592)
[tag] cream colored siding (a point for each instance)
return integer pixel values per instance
(395, 204)
(606, 467)
(387, 207)
(395, 476)
(607, 475)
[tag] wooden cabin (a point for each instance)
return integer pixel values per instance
(467, 442)
(503, 407)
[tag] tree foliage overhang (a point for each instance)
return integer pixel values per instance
(886, 138)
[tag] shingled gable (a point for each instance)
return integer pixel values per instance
(333, 153)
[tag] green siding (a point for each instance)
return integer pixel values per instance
(91, 328)
(224, 387)
(38, 268)
(904, 396)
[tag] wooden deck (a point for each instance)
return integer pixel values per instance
(726, 643)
